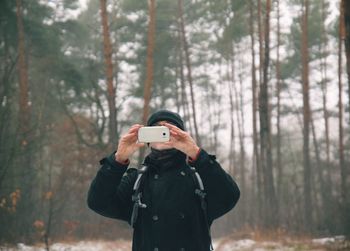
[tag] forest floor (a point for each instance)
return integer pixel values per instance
(223, 244)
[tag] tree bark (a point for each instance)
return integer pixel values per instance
(25, 207)
(261, 42)
(240, 125)
(150, 59)
(326, 179)
(256, 158)
(232, 156)
(183, 93)
(270, 202)
(240, 113)
(149, 67)
(24, 109)
(323, 208)
(232, 104)
(184, 100)
(189, 69)
(107, 49)
(324, 88)
(346, 8)
(340, 104)
(306, 117)
(278, 94)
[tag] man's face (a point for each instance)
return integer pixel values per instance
(160, 145)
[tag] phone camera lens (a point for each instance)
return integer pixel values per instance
(164, 133)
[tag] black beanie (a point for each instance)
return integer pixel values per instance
(166, 115)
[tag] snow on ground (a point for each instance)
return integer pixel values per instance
(120, 245)
(224, 244)
(329, 240)
(323, 244)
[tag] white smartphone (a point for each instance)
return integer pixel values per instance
(148, 134)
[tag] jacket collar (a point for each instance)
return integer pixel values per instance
(162, 165)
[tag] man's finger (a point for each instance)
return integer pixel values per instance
(175, 128)
(173, 131)
(131, 134)
(168, 125)
(133, 129)
(135, 126)
(176, 134)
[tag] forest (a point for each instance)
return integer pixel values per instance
(262, 84)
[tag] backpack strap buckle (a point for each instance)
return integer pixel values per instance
(136, 197)
(201, 194)
(137, 200)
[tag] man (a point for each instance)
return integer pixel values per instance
(173, 218)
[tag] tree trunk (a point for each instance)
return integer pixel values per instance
(233, 162)
(340, 105)
(278, 94)
(240, 115)
(306, 117)
(345, 200)
(189, 69)
(107, 49)
(240, 125)
(208, 108)
(25, 207)
(232, 103)
(24, 109)
(323, 206)
(346, 8)
(324, 88)
(232, 157)
(261, 45)
(256, 160)
(184, 95)
(270, 201)
(48, 197)
(177, 87)
(149, 67)
(184, 100)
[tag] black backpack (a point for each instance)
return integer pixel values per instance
(137, 194)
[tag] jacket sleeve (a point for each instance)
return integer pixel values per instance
(222, 191)
(111, 190)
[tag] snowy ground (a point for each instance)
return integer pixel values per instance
(332, 243)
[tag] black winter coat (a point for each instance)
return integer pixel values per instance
(173, 219)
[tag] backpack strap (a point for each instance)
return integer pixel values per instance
(136, 197)
(199, 191)
(201, 194)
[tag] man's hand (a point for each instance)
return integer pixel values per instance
(128, 144)
(181, 140)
